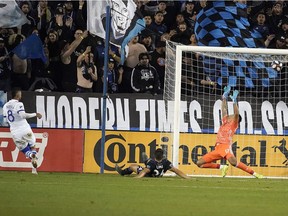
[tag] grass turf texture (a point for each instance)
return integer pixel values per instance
(22, 193)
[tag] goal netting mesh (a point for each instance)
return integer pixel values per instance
(194, 81)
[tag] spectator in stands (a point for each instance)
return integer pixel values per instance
(69, 10)
(144, 77)
(63, 27)
(114, 76)
(147, 41)
(183, 34)
(68, 61)
(148, 20)
(276, 17)
(281, 42)
(190, 13)
(5, 67)
(99, 52)
(27, 28)
(151, 6)
(135, 48)
(54, 47)
(284, 26)
(203, 3)
(158, 61)
(42, 14)
(169, 15)
(179, 20)
(4, 34)
(268, 41)
(86, 71)
(80, 19)
(41, 77)
(20, 72)
(261, 26)
(157, 26)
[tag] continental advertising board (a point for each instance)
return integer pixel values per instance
(58, 151)
(267, 155)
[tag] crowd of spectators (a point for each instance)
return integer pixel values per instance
(76, 58)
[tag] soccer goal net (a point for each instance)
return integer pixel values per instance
(194, 81)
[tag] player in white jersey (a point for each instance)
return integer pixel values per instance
(23, 137)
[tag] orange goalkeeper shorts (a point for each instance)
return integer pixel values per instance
(221, 151)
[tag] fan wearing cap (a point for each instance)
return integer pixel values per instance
(114, 76)
(5, 67)
(168, 13)
(144, 77)
(190, 13)
(42, 12)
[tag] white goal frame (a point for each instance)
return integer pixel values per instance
(177, 91)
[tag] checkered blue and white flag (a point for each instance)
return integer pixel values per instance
(225, 24)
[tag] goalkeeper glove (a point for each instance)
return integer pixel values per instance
(234, 96)
(226, 91)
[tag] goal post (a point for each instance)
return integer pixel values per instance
(194, 81)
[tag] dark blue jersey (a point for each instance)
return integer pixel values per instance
(157, 169)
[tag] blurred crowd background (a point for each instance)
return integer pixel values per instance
(76, 57)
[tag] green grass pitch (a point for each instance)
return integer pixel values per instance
(69, 194)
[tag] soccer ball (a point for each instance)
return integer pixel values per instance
(276, 65)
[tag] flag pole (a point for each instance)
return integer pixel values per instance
(105, 95)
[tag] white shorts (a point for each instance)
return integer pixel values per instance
(22, 137)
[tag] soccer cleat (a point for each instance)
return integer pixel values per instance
(118, 169)
(224, 170)
(226, 91)
(34, 160)
(34, 171)
(257, 175)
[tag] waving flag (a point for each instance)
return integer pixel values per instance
(31, 48)
(126, 21)
(225, 24)
(11, 15)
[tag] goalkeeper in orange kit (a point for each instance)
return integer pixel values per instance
(224, 139)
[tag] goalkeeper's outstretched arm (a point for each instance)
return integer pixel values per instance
(235, 106)
(224, 107)
(236, 111)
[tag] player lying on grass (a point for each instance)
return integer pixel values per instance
(224, 139)
(155, 167)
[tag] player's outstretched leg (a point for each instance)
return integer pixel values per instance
(118, 169)
(257, 175)
(247, 169)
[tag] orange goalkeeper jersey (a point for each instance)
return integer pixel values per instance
(226, 131)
